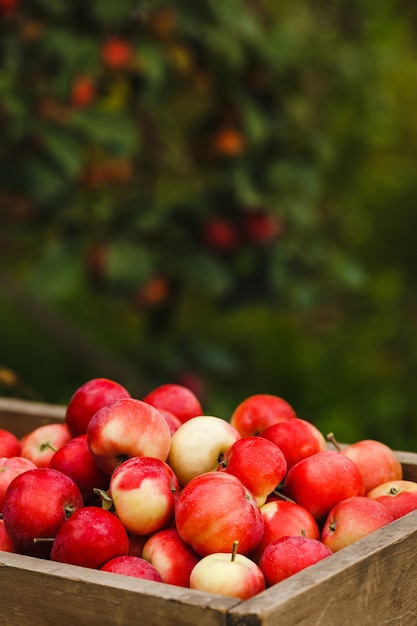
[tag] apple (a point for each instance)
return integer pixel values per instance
(284, 518)
(144, 491)
(9, 444)
(228, 574)
(136, 543)
(90, 538)
(36, 505)
(172, 420)
(173, 558)
(297, 439)
(259, 463)
(89, 398)
(399, 497)
(256, 412)
(351, 520)
(286, 556)
(214, 510)
(10, 467)
(321, 480)
(75, 460)
(127, 428)
(377, 462)
(177, 399)
(40, 444)
(133, 566)
(83, 91)
(198, 445)
(116, 53)
(6, 544)
(221, 234)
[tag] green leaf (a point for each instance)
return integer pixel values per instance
(113, 131)
(64, 151)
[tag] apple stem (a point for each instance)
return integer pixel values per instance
(234, 549)
(330, 437)
(43, 539)
(281, 495)
(49, 445)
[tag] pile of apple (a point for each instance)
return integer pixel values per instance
(153, 488)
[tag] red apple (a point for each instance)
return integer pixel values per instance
(6, 544)
(144, 491)
(320, 481)
(254, 414)
(377, 462)
(89, 538)
(176, 399)
(228, 574)
(259, 463)
(136, 543)
(399, 497)
(172, 420)
(10, 467)
(9, 444)
(173, 558)
(297, 439)
(286, 556)
(75, 460)
(133, 566)
(40, 444)
(351, 520)
(283, 518)
(214, 510)
(89, 398)
(36, 505)
(198, 445)
(127, 428)
(116, 53)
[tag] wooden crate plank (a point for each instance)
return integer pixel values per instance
(372, 581)
(21, 416)
(37, 592)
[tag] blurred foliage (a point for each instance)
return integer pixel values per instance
(218, 194)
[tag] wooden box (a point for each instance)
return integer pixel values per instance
(373, 581)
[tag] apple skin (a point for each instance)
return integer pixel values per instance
(177, 399)
(172, 420)
(75, 460)
(218, 573)
(198, 444)
(89, 538)
(172, 557)
(286, 556)
(297, 439)
(215, 509)
(144, 491)
(10, 467)
(9, 444)
(127, 428)
(255, 413)
(36, 505)
(320, 481)
(377, 462)
(89, 398)
(40, 444)
(285, 519)
(136, 543)
(133, 566)
(351, 520)
(399, 497)
(6, 544)
(259, 463)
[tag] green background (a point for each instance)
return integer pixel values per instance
(229, 204)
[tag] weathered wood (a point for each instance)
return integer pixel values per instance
(35, 592)
(373, 581)
(21, 416)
